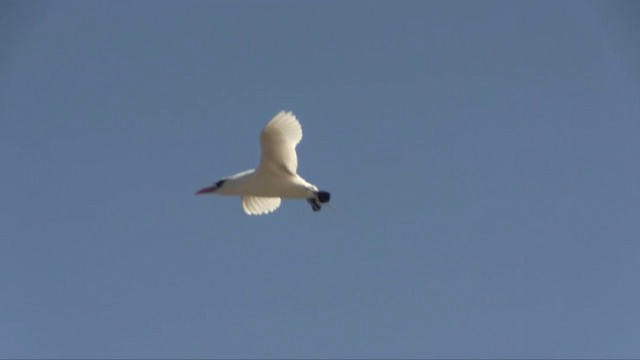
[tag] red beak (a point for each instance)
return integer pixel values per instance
(208, 189)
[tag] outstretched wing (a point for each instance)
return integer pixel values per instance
(254, 205)
(278, 142)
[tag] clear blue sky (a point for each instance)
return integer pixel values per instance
(482, 157)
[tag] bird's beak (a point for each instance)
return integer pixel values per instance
(208, 189)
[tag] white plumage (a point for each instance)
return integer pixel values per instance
(276, 175)
(278, 141)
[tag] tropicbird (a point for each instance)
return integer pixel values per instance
(262, 188)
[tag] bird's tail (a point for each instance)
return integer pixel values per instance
(323, 200)
(320, 198)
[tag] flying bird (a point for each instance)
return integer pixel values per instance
(262, 188)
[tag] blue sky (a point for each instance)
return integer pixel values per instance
(482, 159)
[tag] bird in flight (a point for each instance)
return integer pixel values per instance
(276, 177)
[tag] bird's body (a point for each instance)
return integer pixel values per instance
(257, 183)
(276, 176)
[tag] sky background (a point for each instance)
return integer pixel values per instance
(482, 159)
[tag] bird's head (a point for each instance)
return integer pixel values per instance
(212, 188)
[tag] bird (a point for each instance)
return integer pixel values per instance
(263, 188)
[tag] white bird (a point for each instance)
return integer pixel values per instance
(276, 176)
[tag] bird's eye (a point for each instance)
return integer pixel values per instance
(219, 183)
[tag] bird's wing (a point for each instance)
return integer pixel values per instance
(278, 142)
(254, 205)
